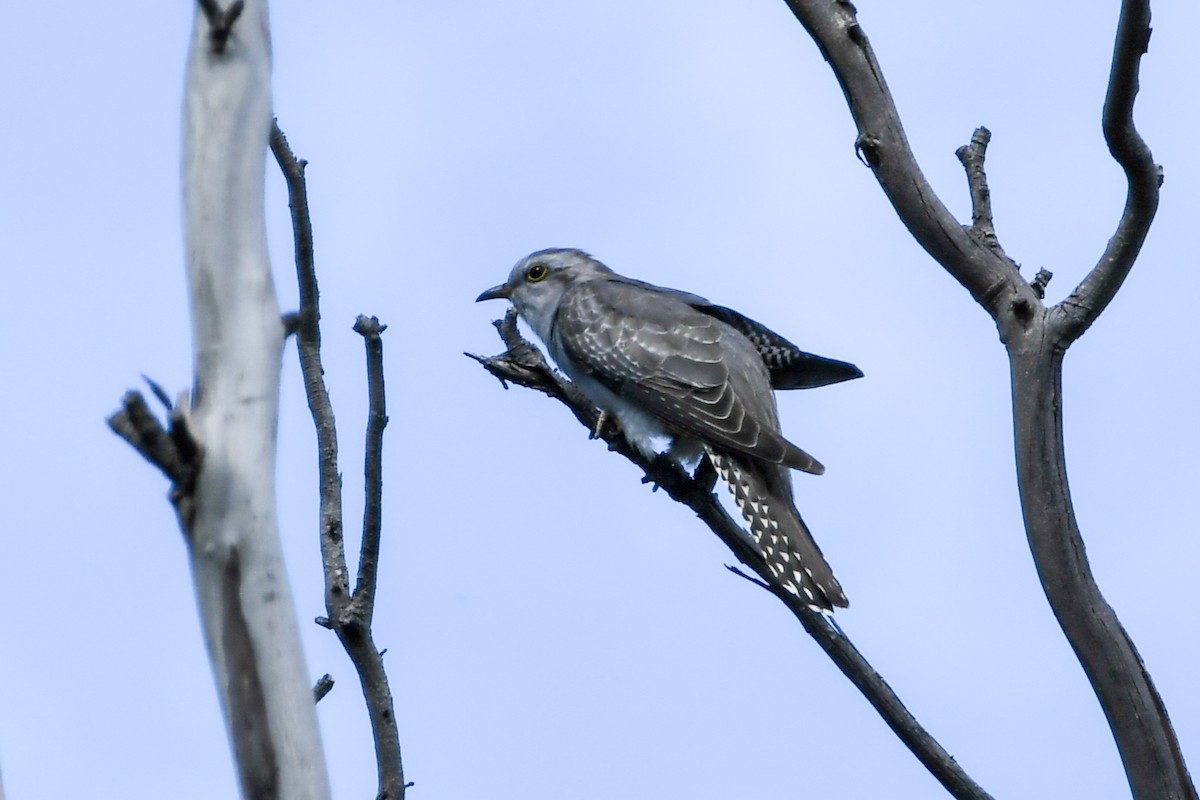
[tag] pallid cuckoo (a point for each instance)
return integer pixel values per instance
(676, 370)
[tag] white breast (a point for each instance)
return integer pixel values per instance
(643, 430)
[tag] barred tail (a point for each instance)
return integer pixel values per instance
(781, 536)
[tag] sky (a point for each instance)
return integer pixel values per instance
(553, 628)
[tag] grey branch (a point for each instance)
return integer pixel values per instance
(371, 329)
(308, 343)
(1036, 339)
(1075, 314)
(972, 156)
(172, 449)
(350, 614)
(523, 365)
(990, 277)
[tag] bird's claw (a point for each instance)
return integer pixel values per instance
(605, 419)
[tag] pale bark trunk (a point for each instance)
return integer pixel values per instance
(245, 601)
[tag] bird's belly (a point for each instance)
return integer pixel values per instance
(641, 428)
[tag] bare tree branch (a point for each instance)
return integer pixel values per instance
(350, 615)
(972, 157)
(990, 277)
(137, 425)
(524, 365)
(308, 343)
(1074, 315)
(1036, 340)
(1131, 703)
(371, 329)
(172, 449)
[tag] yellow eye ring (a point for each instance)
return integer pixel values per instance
(536, 272)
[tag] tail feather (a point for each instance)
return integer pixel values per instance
(792, 554)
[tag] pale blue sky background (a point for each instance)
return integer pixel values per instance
(555, 630)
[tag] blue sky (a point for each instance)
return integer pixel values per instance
(554, 629)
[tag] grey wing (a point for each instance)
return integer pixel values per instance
(790, 367)
(690, 370)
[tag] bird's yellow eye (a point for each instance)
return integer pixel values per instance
(536, 273)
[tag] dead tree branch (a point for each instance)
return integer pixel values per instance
(172, 449)
(349, 613)
(371, 329)
(1074, 315)
(523, 364)
(972, 157)
(989, 276)
(1036, 340)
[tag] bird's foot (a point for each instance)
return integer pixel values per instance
(605, 420)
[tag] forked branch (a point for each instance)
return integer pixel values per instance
(984, 271)
(1036, 340)
(349, 613)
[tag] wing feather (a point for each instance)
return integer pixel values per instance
(790, 367)
(692, 371)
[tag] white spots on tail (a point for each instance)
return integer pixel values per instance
(808, 593)
(785, 565)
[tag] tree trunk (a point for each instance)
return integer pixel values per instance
(245, 602)
(1126, 693)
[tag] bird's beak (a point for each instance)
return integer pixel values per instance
(501, 292)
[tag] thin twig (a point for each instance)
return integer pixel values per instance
(524, 365)
(371, 329)
(159, 392)
(350, 615)
(308, 343)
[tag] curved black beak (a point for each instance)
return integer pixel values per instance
(501, 292)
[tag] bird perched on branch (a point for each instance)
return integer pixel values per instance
(697, 378)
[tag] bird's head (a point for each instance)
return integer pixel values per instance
(538, 282)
